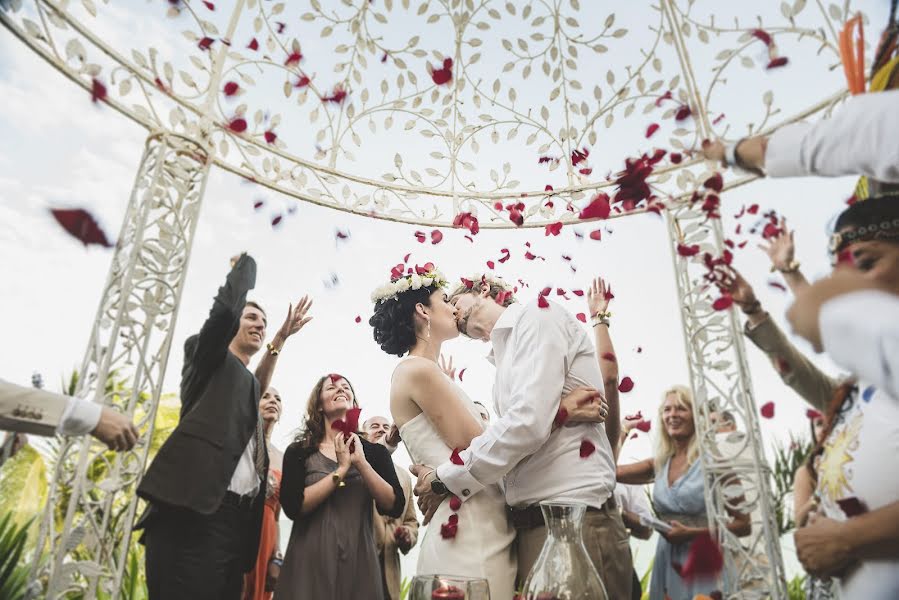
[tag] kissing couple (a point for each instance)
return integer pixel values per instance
(557, 424)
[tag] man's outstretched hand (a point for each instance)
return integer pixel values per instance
(428, 501)
(115, 430)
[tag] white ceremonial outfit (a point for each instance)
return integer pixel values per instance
(540, 354)
(860, 332)
(858, 139)
(484, 542)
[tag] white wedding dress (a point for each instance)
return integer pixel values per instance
(484, 542)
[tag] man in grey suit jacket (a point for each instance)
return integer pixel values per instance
(30, 410)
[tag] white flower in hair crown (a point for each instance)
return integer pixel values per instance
(420, 277)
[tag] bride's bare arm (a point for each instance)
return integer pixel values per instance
(433, 393)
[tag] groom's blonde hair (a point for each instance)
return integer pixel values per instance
(475, 289)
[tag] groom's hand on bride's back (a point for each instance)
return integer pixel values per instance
(428, 500)
(584, 405)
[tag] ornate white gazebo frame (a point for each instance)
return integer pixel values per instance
(189, 131)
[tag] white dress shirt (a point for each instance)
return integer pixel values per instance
(245, 480)
(859, 139)
(80, 417)
(540, 355)
(860, 332)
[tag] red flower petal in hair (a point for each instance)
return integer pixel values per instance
(684, 250)
(553, 228)
(704, 558)
(643, 426)
(468, 283)
(455, 458)
(625, 385)
(777, 62)
(723, 303)
(587, 448)
(541, 302)
(502, 296)
(98, 90)
(598, 208)
(561, 417)
(653, 127)
(238, 125)
(231, 88)
(436, 236)
(253, 45)
(714, 183)
(683, 113)
(581, 317)
(455, 503)
(767, 410)
(81, 225)
(443, 75)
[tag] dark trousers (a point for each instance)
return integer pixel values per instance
(191, 556)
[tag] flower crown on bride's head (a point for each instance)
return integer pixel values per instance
(413, 279)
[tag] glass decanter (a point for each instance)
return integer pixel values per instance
(563, 570)
(448, 587)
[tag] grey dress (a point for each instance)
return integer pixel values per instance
(331, 553)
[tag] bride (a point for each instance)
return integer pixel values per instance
(412, 318)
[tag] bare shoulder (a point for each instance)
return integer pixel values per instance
(415, 370)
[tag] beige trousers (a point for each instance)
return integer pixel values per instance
(607, 544)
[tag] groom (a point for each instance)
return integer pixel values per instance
(540, 353)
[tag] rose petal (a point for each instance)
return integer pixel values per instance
(644, 426)
(455, 503)
(358, 319)
(455, 458)
(81, 225)
(625, 385)
(723, 303)
(762, 35)
(714, 183)
(561, 417)
(436, 236)
(587, 448)
(253, 45)
(767, 410)
(653, 127)
(596, 234)
(461, 373)
(541, 302)
(704, 558)
(598, 208)
(270, 136)
(777, 62)
(581, 317)
(205, 43)
(293, 58)
(553, 228)
(683, 113)
(98, 90)
(238, 125)
(231, 88)
(443, 75)
(684, 250)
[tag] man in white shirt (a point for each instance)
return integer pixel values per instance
(541, 353)
(32, 410)
(859, 139)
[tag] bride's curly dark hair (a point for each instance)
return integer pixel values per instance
(393, 322)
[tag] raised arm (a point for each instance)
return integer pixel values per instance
(296, 319)
(598, 297)
(537, 352)
(781, 249)
(638, 473)
(797, 371)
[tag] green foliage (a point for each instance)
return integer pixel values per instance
(795, 588)
(405, 586)
(644, 581)
(23, 486)
(787, 460)
(13, 573)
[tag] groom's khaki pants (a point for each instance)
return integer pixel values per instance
(607, 544)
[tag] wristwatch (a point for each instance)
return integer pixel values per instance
(437, 486)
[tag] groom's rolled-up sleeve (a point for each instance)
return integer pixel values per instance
(860, 332)
(537, 354)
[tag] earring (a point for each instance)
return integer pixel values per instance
(428, 336)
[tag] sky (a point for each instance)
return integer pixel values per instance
(57, 149)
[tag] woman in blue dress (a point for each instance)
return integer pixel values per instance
(678, 498)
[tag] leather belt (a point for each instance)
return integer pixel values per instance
(237, 501)
(531, 516)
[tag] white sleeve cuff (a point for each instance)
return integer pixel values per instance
(80, 417)
(458, 480)
(783, 158)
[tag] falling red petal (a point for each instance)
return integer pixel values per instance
(490, 264)
(778, 285)
(587, 448)
(461, 373)
(638, 416)
(337, 96)
(253, 45)
(723, 303)
(683, 113)
(653, 127)
(762, 35)
(581, 317)
(684, 250)
(578, 293)
(596, 234)
(277, 220)
(270, 136)
(625, 385)
(455, 503)
(561, 417)
(358, 319)
(714, 183)
(98, 90)
(704, 558)
(609, 295)
(231, 88)
(205, 43)
(644, 426)
(767, 410)
(293, 58)
(436, 236)
(665, 96)
(676, 158)
(258, 204)
(81, 225)
(455, 458)
(777, 62)
(443, 75)
(553, 228)
(238, 125)
(420, 236)
(541, 302)
(598, 208)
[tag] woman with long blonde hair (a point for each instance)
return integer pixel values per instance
(678, 497)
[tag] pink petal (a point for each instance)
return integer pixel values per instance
(581, 317)
(541, 302)
(653, 127)
(767, 410)
(81, 225)
(596, 234)
(723, 303)
(358, 319)
(625, 385)
(436, 236)
(587, 448)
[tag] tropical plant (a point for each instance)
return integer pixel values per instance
(644, 581)
(405, 586)
(788, 458)
(796, 588)
(13, 572)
